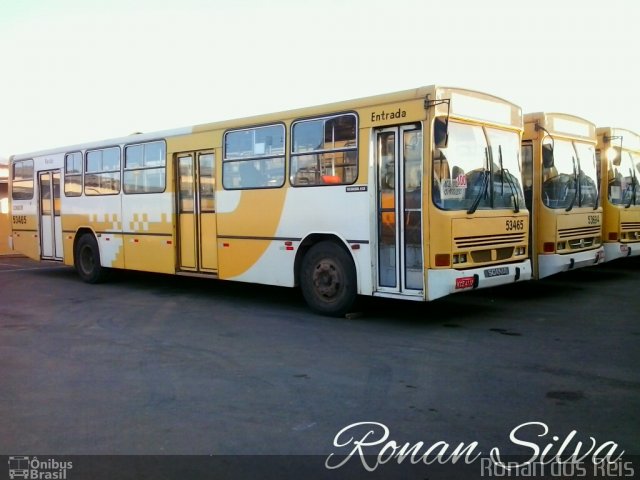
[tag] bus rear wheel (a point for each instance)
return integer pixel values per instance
(87, 260)
(328, 279)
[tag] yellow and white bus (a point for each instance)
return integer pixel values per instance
(560, 177)
(414, 195)
(619, 153)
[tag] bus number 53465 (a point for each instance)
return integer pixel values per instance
(512, 225)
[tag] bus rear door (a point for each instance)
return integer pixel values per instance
(50, 222)
(197, 242)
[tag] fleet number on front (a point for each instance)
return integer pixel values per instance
(19, 219)
(512, 225)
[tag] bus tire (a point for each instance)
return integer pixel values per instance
(328, 279)
(87, 260)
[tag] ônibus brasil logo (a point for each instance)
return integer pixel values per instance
(38, 469)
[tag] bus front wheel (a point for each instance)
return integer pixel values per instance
(328, 279)
(87, 260)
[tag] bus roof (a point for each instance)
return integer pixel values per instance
(433, 91)
(563, 124)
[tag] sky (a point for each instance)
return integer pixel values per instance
(75, 70)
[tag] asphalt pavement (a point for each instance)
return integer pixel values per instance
(162, 365)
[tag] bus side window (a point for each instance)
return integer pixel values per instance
(324, 151)
(249, 175)
(254, 157)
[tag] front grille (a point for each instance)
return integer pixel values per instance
(488, 240)
(630, 231)
(484, 256)
(580, 231)
(630, 225)
(504, 253)
(579, 243)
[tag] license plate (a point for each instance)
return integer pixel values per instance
(624, 249)
(496, 272)
(464, 282)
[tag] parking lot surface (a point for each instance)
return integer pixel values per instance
(163, 365)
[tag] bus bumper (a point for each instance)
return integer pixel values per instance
(616, 250)
(552, 264)
(444, 282)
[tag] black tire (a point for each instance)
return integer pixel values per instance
(87, 260)
(328, 279)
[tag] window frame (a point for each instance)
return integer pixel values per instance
(22, 179)
(254, 158)
(73, 175)
(205, 194)
(100, 172)
(144, 168)
(323, 151)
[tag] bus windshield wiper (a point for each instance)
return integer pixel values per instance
(575, 179)
(512, 187)
(632, 200)
(485, 184)
(596, 187)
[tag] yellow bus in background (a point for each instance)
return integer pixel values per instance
(411, 195)
(4, 208)
(619, 154)
(560, 176)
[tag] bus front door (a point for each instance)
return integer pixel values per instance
(399, 207)
(50, 222)
(197, 244)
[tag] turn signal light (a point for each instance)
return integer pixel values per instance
(443, 260)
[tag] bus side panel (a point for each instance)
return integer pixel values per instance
(27, 243)
(68, 240)
(149, 243)
(274, 265)
(149, 253)
(25, 216)
(247, 223)
(104, 222)
(305, 211)
(5, 226)
(25, 231)
(342, 211)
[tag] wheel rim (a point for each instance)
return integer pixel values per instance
(327, 279)
(86, 260)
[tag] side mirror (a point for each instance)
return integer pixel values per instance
(547, 155)
(614, 155)
(441, 132)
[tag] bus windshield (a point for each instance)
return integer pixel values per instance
(623, 182)
(572, 179)
(588, 175)
(479, 169)
(505, 148)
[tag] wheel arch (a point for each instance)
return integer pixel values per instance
(313, 239)
(82, 231)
